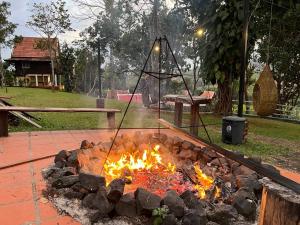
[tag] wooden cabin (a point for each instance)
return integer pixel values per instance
(33, 64)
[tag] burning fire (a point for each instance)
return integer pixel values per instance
(205, 183)
(129, 164)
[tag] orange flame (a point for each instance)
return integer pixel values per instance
(205, 183)
(130, 163)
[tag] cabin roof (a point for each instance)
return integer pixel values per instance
(27, 49)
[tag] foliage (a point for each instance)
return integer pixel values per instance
(281, 51)
(66, 64)
(159, 214)
(9, 74)
(50, 20)
(7, 29)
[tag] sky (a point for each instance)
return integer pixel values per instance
(20, 14)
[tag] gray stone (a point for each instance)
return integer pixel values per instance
(126, 205)
(250, 181)
(191, 201)
(243, 170)
(187, 145)
(146, 201)
(47, 172)
(101, 201)
(66, 181)
(116, 189)
(61, 156)
(194, 217)
(170, 219)
(220, 161)
(88, 201)
(175, 203)
(244, 202)
(79, 188)
(222, 214)
(60, 164)
(66, 171)
(86, 144)
(91, 182)
(73, 159)
(74, 194)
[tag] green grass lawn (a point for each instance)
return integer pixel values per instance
(272, 140)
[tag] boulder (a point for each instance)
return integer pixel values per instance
(86, 144)
(146, 201)
(170, 219)
(91, 182)
(187, 145)
(191, 201)
(249, 181)
(115, 190)
(174, 202)
(244, 202)
(88, 201)
(61, 156)
(73, 194)
(194, 217)
(126, 206)
(222, 214)
(101, 201)
(66, 181)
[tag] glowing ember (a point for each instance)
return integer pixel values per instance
(205, 183)
(131, 163)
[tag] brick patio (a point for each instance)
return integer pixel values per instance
(21, 186)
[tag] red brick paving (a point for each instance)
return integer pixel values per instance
(21, 186)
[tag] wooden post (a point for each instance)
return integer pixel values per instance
(111, 119)
(178, 114)
(3, 124)
(194, 119)
(279, 205)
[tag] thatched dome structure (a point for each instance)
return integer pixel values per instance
(265, 96)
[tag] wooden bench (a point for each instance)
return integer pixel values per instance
(5, 110)
(182, 99)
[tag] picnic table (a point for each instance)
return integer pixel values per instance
(183, 99)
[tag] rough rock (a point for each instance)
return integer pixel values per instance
(187, 145)
(194, 217)
(61, 156)
(243, 170)
(101, 201)
(188, 154)
(177, 141)
(66, 181)
(91, 182)
(86, 144)
(66, 171)
(146, 201)
(174, 202)
(170, 219)
(126, 205)
(191, 201)
(47, 172)
(212, 223)
(116, 189)
(244, 202)
(60, 164)
(73, 159)
(218, 161)
(79, 188)
(250, 181)
(88, 201)
(74, 194)
(222, 214)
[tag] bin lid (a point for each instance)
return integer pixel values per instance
(234, 118)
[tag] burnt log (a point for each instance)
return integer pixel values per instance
(279, 205)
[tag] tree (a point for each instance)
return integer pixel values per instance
(279, 45)
(50, 20)
(7, 29)
(66, 66)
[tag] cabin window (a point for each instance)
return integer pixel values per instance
(25, 65)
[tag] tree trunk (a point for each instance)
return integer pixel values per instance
(52, 62)
(224, 104)
(247, 97)
(1, 71)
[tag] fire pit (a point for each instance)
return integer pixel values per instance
(152, 176)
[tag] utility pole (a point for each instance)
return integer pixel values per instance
(243, 58)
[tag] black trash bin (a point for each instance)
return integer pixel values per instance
(233, 130)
